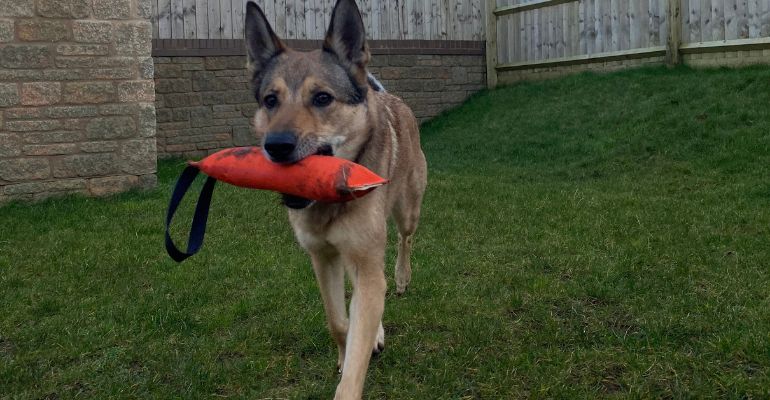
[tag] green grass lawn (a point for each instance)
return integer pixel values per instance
(591, 236)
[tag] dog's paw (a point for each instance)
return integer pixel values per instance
(379, 344)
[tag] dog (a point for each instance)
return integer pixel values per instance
(325, 102)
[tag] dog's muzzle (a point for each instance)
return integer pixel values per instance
(299, 203)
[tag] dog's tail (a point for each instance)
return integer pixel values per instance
(374, 83)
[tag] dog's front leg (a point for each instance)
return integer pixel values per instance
(331, 281)
(366, 269)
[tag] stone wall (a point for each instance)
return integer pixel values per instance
(508, 77)
(76, 98)
(204, 103)
(716, 59)
(727, 58)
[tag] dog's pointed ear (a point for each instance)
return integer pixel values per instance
(346, 38)
(262, 44)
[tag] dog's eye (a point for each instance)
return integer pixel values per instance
(322, 99)
(270, 101)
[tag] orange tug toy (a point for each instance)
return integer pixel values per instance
(320, 178)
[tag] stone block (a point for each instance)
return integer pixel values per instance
(138, 157)
(111, 73)
(434, 85)
(92, 31)
(144, 9)
(85, 165)
(112, 9)
(133, 38)
(168, 71)
(40, 93)
(164, 115)
(248, 110)
(201, 117)
(182, 99)
(180, 148)
(32, 126)
(173, 85)
(82, 49)
(10, 145)
(214, 98)
(25, 56)
(240, 121)
(50, 149)
(229, 62)
(459, 74)
(54, 9)
(95, 62)
(428, 73)
(134, 91)
(224, 109)
(146, 68)
(16, 8)
(146, 120)
(104, 146)
(118, 109)
(106, 128)
(112, 185)
(245, 136)
(187, 60)
(147, 182)
(238, 96)
(38, 30)
(390, 73)
(402, 60)
(453, 97)
(6, 30)
(51, 137)
(203, 81)
(70, 111)
(24, 169)
(9, 94)
(66, 185)
(89, 92)
(80, 8)
(75, 124)
(180, 114)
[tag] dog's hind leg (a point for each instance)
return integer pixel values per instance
(331, 280)
(406, 214)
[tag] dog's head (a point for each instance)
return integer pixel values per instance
(310, 102)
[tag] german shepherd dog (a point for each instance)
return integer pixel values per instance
(325, 102)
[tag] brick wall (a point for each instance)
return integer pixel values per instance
(204, 103)
(76, 98)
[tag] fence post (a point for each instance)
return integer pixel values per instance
(674, 32)
(491, 53)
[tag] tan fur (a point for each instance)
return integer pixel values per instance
(350, 238)
(380, 133)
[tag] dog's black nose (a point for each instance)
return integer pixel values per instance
(280, 145)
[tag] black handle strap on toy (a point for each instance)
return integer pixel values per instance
(198, 229)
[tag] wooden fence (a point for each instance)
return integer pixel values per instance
(308, 19)
(544, 33)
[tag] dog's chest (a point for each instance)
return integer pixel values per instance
(311, 226)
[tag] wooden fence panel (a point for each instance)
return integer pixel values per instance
(308, 19)
(535, 34)
(539, 30)
(718, 20)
